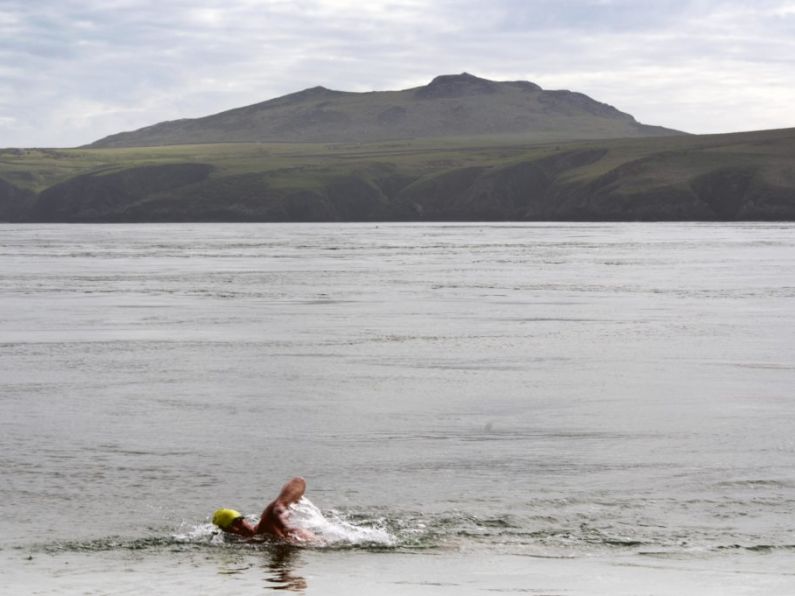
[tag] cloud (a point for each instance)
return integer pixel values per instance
(73, 71)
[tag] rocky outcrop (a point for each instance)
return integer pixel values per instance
(462, 85)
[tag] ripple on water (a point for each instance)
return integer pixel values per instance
(407, 531)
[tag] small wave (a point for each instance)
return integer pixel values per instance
(754, 483)
(112, 543)
(757, 548)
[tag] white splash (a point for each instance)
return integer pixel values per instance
(203, 533)
(335, 531)
(329, 531)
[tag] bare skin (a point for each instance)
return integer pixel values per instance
(275, 520)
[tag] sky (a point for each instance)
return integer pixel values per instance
(73, 71)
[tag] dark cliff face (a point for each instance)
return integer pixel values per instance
(534, 190)
(107, 197)
(522, 191)
(15, 203)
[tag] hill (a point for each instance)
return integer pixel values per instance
(741, 176)
(449, 106)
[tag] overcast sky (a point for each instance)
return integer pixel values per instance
(72, 71)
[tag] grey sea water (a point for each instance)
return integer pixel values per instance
(460, 398)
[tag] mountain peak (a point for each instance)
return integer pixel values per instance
(465, 84)
(312, 93)
(459, 85)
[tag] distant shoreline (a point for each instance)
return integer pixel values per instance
(731, 177)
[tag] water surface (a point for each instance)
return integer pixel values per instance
(481, 392)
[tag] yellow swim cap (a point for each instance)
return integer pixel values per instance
(223, 518)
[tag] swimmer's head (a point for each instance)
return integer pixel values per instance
(224, 518)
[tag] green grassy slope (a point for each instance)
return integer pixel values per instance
(734, 176)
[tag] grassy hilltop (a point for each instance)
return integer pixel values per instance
(684, 177)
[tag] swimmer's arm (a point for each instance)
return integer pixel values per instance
(282, 514)
(292, 491)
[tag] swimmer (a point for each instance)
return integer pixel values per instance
(275, 518)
